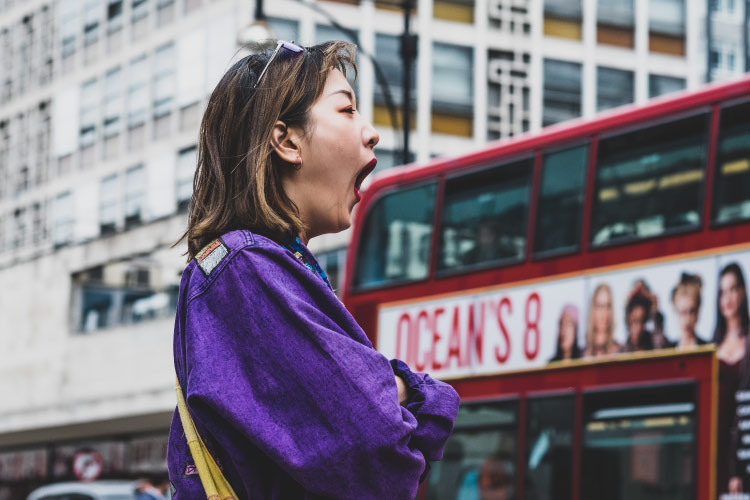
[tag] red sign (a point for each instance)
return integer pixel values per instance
(87, 465)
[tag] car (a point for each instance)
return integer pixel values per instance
(97, 490)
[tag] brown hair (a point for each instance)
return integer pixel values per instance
(238, 178)
(690, 285)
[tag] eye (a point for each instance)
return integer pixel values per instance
(350, 110)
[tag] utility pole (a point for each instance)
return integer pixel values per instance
(709, 41)
(746, 36)
(408, 54)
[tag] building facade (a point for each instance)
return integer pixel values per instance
(100, 102)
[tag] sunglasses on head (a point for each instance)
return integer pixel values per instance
(281, 44)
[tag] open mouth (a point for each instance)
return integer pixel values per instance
(366, 170)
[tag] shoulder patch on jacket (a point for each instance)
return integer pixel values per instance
(211, 255)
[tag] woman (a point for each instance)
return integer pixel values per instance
(730, 335)
(686, 299)
(284, 387)
(637, 313)
(567, 336)
(600, 339)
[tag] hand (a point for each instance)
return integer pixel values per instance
(735, 485)
(402, 392)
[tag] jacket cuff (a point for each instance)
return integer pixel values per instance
(416, 395)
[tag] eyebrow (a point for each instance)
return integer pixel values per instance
(346, 92)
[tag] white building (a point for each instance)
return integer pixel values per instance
(100, 101)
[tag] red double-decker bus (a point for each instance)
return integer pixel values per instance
(520, 272)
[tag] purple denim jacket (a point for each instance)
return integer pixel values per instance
(286, 390)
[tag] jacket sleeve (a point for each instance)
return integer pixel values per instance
(262, 358)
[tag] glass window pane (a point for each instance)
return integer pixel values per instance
(479, 460)
(388, 55)
(567, 9)
(549, 448)
(560, 210)
(732, 192)
(667, 16)
(660, 85)
(619, 13)
(639, 443)
(452, 78)
(396, 238)
(484, 216)
(614, 87)
(562, 91)
(650, 181)
(284, 29)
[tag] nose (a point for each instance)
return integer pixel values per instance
(370, 136)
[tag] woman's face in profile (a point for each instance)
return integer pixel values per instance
(337, 154)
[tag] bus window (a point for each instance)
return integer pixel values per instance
(395, 239)
(732, 194)
(650, 181)
(558, 222)
(479, 459)
(639, 443)
(549, 448)
(484, 216)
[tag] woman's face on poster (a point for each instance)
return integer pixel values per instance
(602, 310)
(636, 322)
(686, 307)
(567, 333)
(730, 295)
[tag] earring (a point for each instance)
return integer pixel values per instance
(298, 163)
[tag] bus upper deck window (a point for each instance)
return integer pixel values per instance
(395, 238)
(650, 181)
(484, 216)
(732, 194)
(560, 210)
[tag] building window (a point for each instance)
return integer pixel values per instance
(562, 91)
(164, 11)
(164, 80)
(114, 15)
(89, 103)
(667, 26)
(137, 92)
(614, 87)
(19, 227)
(615, 21)
(287, 29)
(38, 228)
(452, 90)
(62, 225)
(108, 198)
(112, 105)
(388, 54)
(660, 85)
(186, 165)
(563, 19)
(139, 10)
(135, 187)
(68, 30)
(92, 13)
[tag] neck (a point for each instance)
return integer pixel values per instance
(733, 325)
(688, 338)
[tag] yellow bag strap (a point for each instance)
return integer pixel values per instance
(214, 483)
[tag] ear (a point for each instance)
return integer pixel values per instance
(285, 141)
